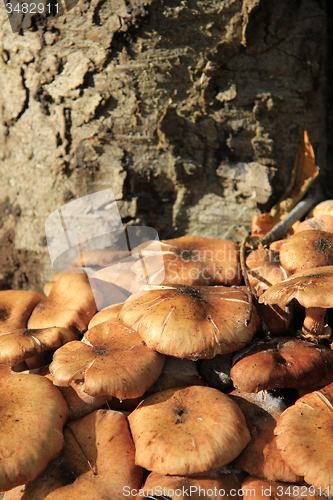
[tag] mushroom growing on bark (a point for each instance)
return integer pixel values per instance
(191, 322)
(312, 289)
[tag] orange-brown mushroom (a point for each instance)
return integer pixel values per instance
(112, 360)
(283, 362)
(306, 250)
(15, 308)
(191, 322)
(312, 290)
(189, 260)
(186, 431)
(71, 305)
(32, 414)
(97, 462)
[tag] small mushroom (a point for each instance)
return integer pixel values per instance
(191, 322)
(264, 269)
(323, 208)
(322, 223)
(15, 308)
(71, 305)
(186, 431)
(112, 360)
(312, 290)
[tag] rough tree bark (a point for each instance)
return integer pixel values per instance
(190, 110)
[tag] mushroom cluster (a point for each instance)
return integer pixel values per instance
(160, 381)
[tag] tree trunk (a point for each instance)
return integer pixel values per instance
(191, 111)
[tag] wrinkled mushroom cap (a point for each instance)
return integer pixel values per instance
(23, 344)
(311, 288)
(112, 360)
(186, 431)
(191, 322)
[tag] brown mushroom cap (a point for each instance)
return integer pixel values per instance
(32, 414)
(261, 457)
(264, 269)
(189, 260)
(209, 486)
(305, 437)
(23, 344)
(106, 314)
(306, 250)
(15, 308)
(311, 288)
(71, 305)
(104, 439)
(186, 431)
(283, 362)
(323, 208)
(322, 223)
(191, 322)
(112, 360)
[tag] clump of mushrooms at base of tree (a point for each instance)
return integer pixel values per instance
(141, 355)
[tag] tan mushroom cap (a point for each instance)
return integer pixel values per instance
(16, 307)
(106, 314)
(215, 485)
(112, 360)
(261, 457)
(323, 208)
(189, 260)
(186, 431)
(23, 344)
(191, 322)
(32, 414)
(306, 250)
(104, 439)
(71, 305)
(305, 437)
(283, 362)
(322, 223)
(177, 373)
(264, 269)
(312, 288)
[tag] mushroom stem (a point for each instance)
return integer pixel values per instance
(313, 324)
